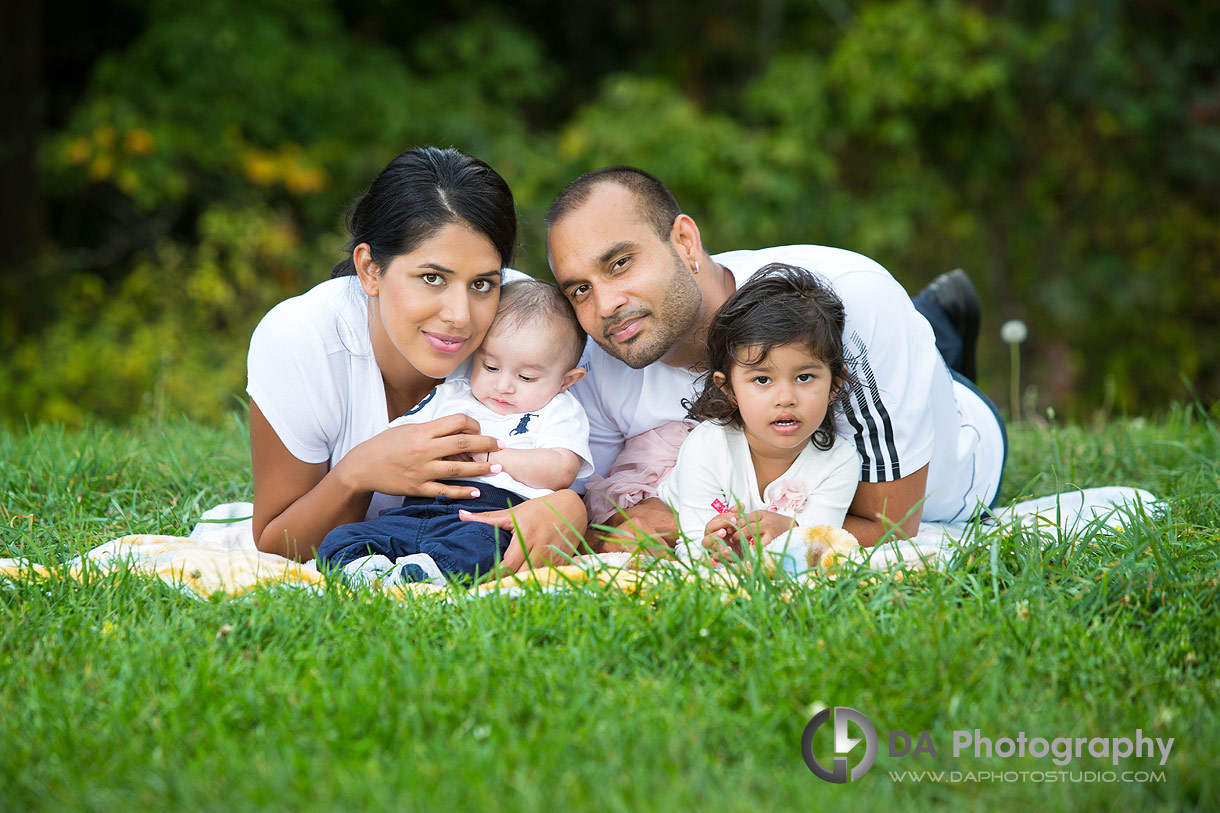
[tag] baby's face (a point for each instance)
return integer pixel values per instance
(519, 371)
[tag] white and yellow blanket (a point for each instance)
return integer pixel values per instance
(219, 556)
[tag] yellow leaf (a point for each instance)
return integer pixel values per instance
(105, 136)
(101, 168)
(77, 151)
(259, 167)
(139, 142)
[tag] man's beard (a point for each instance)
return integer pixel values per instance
(675, 319)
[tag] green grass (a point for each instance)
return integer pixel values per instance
(121, 692)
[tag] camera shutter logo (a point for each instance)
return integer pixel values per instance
(844, 744)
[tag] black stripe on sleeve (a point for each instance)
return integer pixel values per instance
(887, 425)
(873, 467)
(858, 431)
(877, 471)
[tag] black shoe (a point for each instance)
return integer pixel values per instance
(955, 295)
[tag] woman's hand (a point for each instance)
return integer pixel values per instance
(547, 530)
(411, 459)
(296, 504)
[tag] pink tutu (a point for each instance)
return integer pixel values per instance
(636, 473)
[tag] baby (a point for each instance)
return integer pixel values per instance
(518, 392)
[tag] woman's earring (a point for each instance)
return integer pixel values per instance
(696, 266)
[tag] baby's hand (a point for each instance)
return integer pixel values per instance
(462, 457)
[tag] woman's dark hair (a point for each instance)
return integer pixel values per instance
(779, 304)
(420, 192)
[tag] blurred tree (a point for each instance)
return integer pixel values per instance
(267, 116)
(1067, 153)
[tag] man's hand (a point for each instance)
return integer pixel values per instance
(893, 508)
(546, 530)
(646, 524)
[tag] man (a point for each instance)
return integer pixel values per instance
(645, 289)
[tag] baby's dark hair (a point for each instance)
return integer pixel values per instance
(779, 304)
(530, 302)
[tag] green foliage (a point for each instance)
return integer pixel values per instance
(1065, 154)
(698, 153)
(253, 126)
(907, 62)
(227, 100)
(172, 335)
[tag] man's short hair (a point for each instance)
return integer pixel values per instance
(655, 204)
(531, 302)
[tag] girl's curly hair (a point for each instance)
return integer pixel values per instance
(779, 304)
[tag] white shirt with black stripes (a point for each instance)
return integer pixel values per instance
(905, 413)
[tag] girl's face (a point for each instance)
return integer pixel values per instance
(430, 308)
(782, 400)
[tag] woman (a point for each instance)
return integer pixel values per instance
(330, 369)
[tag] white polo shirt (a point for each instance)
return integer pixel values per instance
(905, 413)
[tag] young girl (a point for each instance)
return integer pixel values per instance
(766, 458)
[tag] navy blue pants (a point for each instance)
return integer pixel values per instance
(951, 350)
(948, 342)
(427, 525)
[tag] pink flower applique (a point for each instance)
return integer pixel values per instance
(791, 499)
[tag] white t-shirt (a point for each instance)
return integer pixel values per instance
(907, 411)
(715, 472)
(312, 372)
(561, 424)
